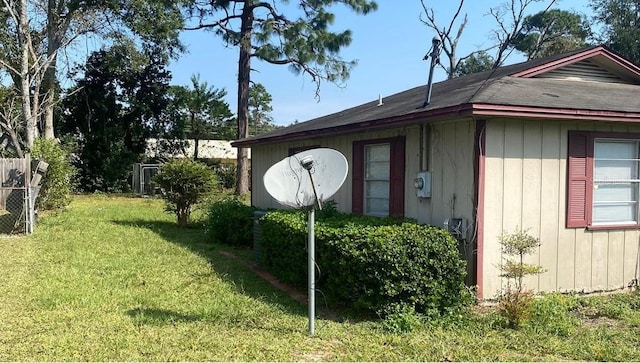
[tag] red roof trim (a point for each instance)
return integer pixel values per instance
(589, 53)
(481, 109)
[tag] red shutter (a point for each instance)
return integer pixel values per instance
(578, 179)
(396, 192)
(357, 179)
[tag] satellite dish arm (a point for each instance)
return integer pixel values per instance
(313, 186)
(307, 163)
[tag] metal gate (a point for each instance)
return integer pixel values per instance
(141, 181)
(20, 181)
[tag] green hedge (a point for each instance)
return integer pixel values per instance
(368, 263)
(230, 221)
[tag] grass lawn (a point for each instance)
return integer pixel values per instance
(114, 279)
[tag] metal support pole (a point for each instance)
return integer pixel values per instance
(311, 272)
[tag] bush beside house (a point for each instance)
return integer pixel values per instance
(371, 264)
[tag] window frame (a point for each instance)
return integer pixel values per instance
(580, 179)
(368, 181)
(396, 177)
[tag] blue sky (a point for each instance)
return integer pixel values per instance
(388, 44)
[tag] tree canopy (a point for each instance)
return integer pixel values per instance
(551, 32)
(620, 21)
(202, 109)
(112, 111)
(276, 33)
(260, 120)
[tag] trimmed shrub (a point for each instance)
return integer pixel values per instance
(371, 264)
(184, 183)
(56, 185)
(515, 303)
(230, 221)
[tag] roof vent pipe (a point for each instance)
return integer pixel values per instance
(435, 59)
(380, 103)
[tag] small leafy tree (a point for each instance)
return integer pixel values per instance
(516, 303)
(184, 183)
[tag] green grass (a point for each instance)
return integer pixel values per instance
(114, 279)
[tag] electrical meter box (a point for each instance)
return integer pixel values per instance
(422, 184)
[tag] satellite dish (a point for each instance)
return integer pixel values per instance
(292, 180)
(304, 180)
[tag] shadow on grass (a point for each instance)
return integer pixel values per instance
(232, 270)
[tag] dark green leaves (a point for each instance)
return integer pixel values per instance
(620, 21)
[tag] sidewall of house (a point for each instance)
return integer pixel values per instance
(263, 156)
(446, 150)
(525, 183)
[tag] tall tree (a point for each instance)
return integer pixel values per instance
(447, 35)
(204, 108)
(69, 19)
(18, 55)
(551, 32)
(302, 40)
(510, 18)
(112, 111)
(10, 125)
(620, 20)
(38, 30)
(260, 120)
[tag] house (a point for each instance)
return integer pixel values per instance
(207, 149)
(549, 145)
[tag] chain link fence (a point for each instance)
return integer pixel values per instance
(19, 187)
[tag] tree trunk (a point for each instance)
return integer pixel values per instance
(49, 89)
(25, 79)
(244, 77)
(183, 218)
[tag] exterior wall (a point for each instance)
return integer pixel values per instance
(266, 155)
(525, 183)
(448, 155)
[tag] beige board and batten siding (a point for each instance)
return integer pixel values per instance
(450, 159)
(451, 162)
(265, 155)
(525, 187)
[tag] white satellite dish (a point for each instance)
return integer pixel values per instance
(307, 179)
(291, 184)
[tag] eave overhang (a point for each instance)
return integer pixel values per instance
(412, 118)
(465, 110)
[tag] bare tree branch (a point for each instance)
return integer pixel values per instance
(449, 41)
(510, 28)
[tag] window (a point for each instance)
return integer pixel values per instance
(378, 177)
(604, 180)
(615, 182)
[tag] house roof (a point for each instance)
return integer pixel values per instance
(592, 83)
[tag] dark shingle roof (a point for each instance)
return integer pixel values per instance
(451, 97)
